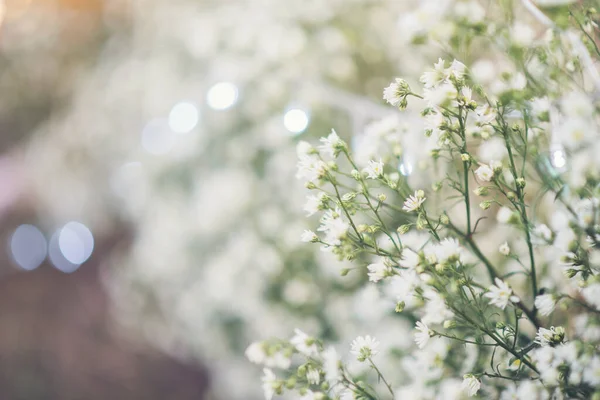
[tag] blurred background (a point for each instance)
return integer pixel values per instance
(149, 213)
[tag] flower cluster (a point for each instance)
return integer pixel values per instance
(484, 288)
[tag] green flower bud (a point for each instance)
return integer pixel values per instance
(402, 229)
(481, 191)
(344, 271)
(521, 182)
(484, 205)
(450, 324)
(400, 306)
(444, 219)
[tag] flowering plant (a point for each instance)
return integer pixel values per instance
(504, 295)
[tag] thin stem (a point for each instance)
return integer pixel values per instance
(522, 212)
(381, 376)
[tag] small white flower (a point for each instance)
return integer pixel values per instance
(396, 92)
(456, 70)
(545, 303)
(334, 227)
(471, 385)
(374, 169)
(256, 353)
(304, 149)
(364, 347)
(268, 381)
(304, 343)
(315, 203)
(422, 335)
(504, 214)
(312, 376)
(591, 374)
(501, 294)
(332, 144)
(378, 271)
(591, 294)
(448, 249)
(484, 115)
(496, 166)
(311, 169)
(309, 236)
(434, 77)
(484, 173)
(550, 337)
(409, 259)
(413, 202)
(504, 249)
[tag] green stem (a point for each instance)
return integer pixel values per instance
(381, 376)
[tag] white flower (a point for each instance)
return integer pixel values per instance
(315, 203)
(309, 236)
(436, 310)
(484, 115)
(543, 232)
(434, 77)
(504, 214)
(591, 294)
(591, 374)
(413, 202)
(550, 337)
(332, 144)
(334, 227)
(311, 168)
(440, 94)
(484, 173)
(256, 353)
(409, 259)
(268, 381)
(545, 303)
(374, 169)
(396, 92)
(471, 385)
(378, 271)
(304, 149)
(504, 249)
(422, 335)
(501, 294)
(348, 394)
(449, 249)
(304, 343)
(364, 347)
(313, 376)
(456, 70)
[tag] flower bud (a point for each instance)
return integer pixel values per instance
(465, 157)
(444, 219)
(481, 191)
(400, 306)
(485, 204)
(449, 324)
(355, 174)
(310, 185)
(302, 370)
(382, 197)
(521, 182)
(402, 229)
